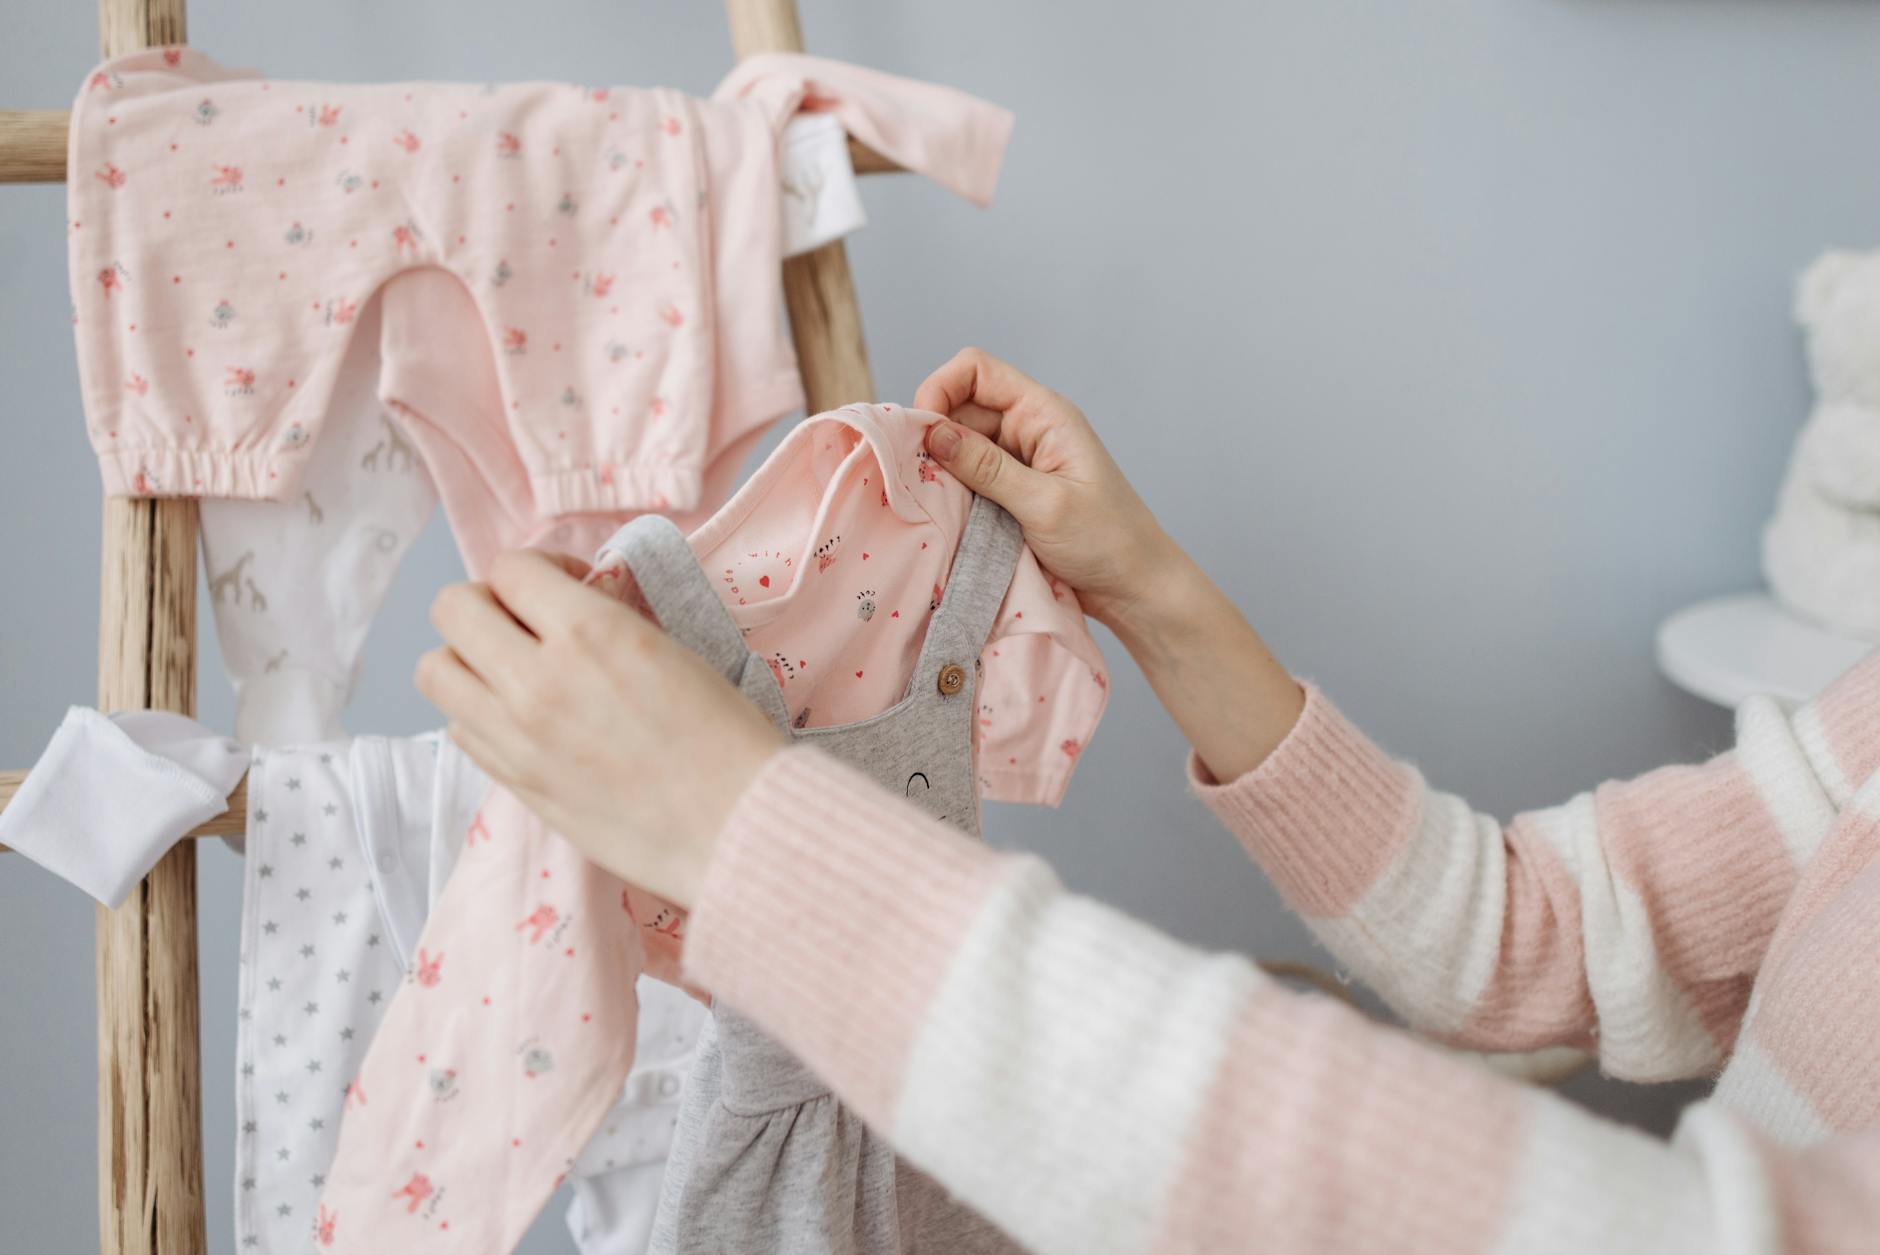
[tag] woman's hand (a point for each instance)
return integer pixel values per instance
(1014, 440)
(621, 739)
(1029, 449)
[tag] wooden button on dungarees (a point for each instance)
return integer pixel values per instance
(952, 679)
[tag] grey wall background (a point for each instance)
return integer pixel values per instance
(1452, 337)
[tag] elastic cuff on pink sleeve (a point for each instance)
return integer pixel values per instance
(830, 913)
(1323, 815)
(177, 472)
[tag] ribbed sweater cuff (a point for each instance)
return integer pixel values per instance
(1323, 815)
(830, 913)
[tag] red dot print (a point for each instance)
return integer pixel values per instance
(172, 147)
(280, 182)
(354, 244)
(189, 352)
(283, 274)
(858, 675)
(344, 139)
(551, 241)
(515, 1141)
(420, 1058)
(570, 952)
(486, 1000)
(545, 870)
(176, 278)
(420, 1143)
(923, 544)
(166, 214)
(112, 121)
(460, 239)
(1018, 614)
(290, 383)
(895, 615)
(443, 1224)
(231, 243)
(1012, 760)
(864, 555)
(456, 178)
(585, 1017)
(511, 206)
(133, 326)
(801, 665)
(375, 185)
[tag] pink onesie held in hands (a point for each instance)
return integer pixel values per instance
(830, 560)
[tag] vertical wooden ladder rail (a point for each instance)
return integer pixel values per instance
(149, 1050)
(818, 288)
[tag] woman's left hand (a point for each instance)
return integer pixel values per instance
(622, 740)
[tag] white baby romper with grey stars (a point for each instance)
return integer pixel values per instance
(349, 844)
(339, 846)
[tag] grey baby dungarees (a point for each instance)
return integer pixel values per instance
(765, 1159)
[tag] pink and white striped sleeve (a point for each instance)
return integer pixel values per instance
(1092, 1086)
(1633, 918)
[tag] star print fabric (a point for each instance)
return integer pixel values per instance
(317, 969)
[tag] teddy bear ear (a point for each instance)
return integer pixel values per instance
(1819, 283)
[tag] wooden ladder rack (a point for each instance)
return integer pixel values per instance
(149, 1051)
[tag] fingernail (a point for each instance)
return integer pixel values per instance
(943, 441)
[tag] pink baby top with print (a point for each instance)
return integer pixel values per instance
(621, 245)
(833, 556)
(501, 1054)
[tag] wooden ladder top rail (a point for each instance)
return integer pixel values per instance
(150, 1198)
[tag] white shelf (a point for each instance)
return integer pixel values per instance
(1732, 648)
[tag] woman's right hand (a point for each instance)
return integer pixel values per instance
(1016, 441)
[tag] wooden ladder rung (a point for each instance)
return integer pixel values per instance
(33, 141)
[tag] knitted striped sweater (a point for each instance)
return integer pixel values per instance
(1094, 1086)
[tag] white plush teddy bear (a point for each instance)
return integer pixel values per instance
(1821, 552)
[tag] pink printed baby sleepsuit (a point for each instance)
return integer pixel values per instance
(832, 560)
(612, 255)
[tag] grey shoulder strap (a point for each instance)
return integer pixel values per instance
(681, 597)
(975, 588)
